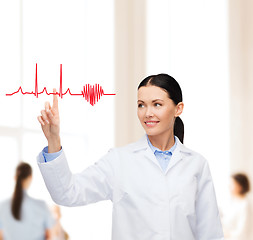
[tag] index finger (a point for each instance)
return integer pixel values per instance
(55, 99)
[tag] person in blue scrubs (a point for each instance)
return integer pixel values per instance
(23, 217)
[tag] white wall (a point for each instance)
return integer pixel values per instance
(101, 41)
(80, 35)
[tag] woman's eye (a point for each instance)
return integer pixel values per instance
(140, 105)
(158, 104)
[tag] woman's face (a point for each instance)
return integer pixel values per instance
(235, 188)
(156, 111)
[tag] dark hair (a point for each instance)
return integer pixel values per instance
(243, 181)
(171, 86)
(23, 171)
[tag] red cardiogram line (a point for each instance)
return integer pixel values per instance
(91, 93)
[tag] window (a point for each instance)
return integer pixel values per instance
(49, 34)
(192, 46)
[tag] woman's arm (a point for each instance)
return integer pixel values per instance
(1, 235)
(91, 185)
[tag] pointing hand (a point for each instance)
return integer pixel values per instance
(50, 124)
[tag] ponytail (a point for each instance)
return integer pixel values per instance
(17, 199)
(179, 129)
(23, 171)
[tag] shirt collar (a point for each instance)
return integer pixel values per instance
(157, 149)
(142, 144)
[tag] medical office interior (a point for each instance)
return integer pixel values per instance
(206, 45)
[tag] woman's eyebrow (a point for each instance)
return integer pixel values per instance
(152, 100)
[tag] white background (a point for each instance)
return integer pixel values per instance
(190, 44)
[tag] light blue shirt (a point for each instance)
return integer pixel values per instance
(163, 157)
(50, 156)
(35, 220)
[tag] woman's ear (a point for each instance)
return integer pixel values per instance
(179, 109)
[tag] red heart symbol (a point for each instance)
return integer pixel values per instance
(92, 93)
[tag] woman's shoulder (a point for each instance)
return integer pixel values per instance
(5, 203)
(186, 151)
(142, 144)
(131, 147)
(191, 152)
(36, 202)
(247, 200)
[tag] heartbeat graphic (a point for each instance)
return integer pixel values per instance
(91, 93)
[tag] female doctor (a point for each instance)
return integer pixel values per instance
(160, 189)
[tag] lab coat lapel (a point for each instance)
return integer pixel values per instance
(178, 155)
(151, 156)
(142, 145)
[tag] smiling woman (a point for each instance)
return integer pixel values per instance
(159, 106)
(158, 186)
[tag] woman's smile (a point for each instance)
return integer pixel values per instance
(151, 123)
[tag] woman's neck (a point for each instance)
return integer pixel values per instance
(161, 142)
(239, 196)
(26, 183)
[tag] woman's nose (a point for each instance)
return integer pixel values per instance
(149, 113)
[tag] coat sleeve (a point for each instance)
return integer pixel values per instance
(92, 185)
(208, 219)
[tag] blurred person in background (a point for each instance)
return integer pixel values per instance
(23, 217)
(236, 216)
(58, 233)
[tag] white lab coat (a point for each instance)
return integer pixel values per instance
(148, 203)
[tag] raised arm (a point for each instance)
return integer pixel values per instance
(91, 185)
(50, 124)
